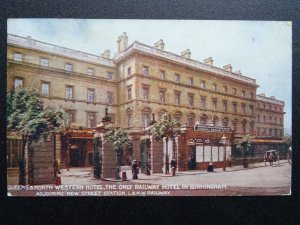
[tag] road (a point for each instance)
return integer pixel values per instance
(236, 181)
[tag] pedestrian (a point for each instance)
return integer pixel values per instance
(173, 166)
(135, 170)
(58, 177)
(271, 156)
(229, 160)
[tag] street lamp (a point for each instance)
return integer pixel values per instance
(224, 152)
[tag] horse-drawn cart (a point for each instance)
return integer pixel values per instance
(271, 156)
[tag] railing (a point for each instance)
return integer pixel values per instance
(151, 50)
(39, 45)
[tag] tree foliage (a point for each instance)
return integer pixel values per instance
(166, 127)
(118, 137)
(27, 116)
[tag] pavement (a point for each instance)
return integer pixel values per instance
(257, 179)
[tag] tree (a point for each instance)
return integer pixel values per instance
(246, 143)
(167, 128)
(119, 139)
(27, 116)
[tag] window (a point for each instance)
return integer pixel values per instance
(44, 62)
(202, 84)
(234, 107)
(14, 153)
(68, 67)
(129, 93)
(258, 131)
(18, 82)
(270, 107)
(69, 92)
(177, 117)
(110, 98)
(129, 71)
(275, 132)
(258, 118)
(146, 93)
(264, 106)
(264, 119)
(177, 98)
(191, 99)
(280, 133)
(177, 78)
(202, 102)
(234, 91)
(275, 108)
(90, 71)
(18, 57)
(264, 131)
(281, 120)
(225, 89)
(214, 104)
(190, 81)
(191, 120)
(162, 74)
(146, 119)
(251, 95)
(45, 88)
(251, 127)
(110, 76)
(275, 120)
(251, 110)
(270, 119)
(243, 93)
(90, 95)
(162, 96)
(244, 124)
(225, 122)
(145, 71)
(129, 119)
(224, 106)
(214, 87)
(244, 109)
(270, 131)
(70, 117)
(91, 119)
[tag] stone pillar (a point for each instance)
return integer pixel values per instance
(157, 159)
(109, 162)
(58, 148)
(40, 162)
(182, 154)
(136, 145)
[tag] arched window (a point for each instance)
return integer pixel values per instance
(161, 113)
(191, 119)
(203, 119)
(225, 122)
(234, 124)
(244, 126)
(215, 120)
(177, 116)
(146, 116)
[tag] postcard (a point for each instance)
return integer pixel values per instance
(115, 107)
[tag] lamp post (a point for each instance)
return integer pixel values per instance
(224, 152)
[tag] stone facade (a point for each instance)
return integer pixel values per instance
(139, 81)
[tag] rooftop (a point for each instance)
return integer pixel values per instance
(179, 59)
(43, 46)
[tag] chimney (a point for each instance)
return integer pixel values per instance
(209, 61)
(238, 72)
(186, 54)
(160, 44)
(228, 67)
(262, 94)
(106, 54)
(122, 42)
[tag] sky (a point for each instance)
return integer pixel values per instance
(259, 49)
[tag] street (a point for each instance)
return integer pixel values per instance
(258, 179)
